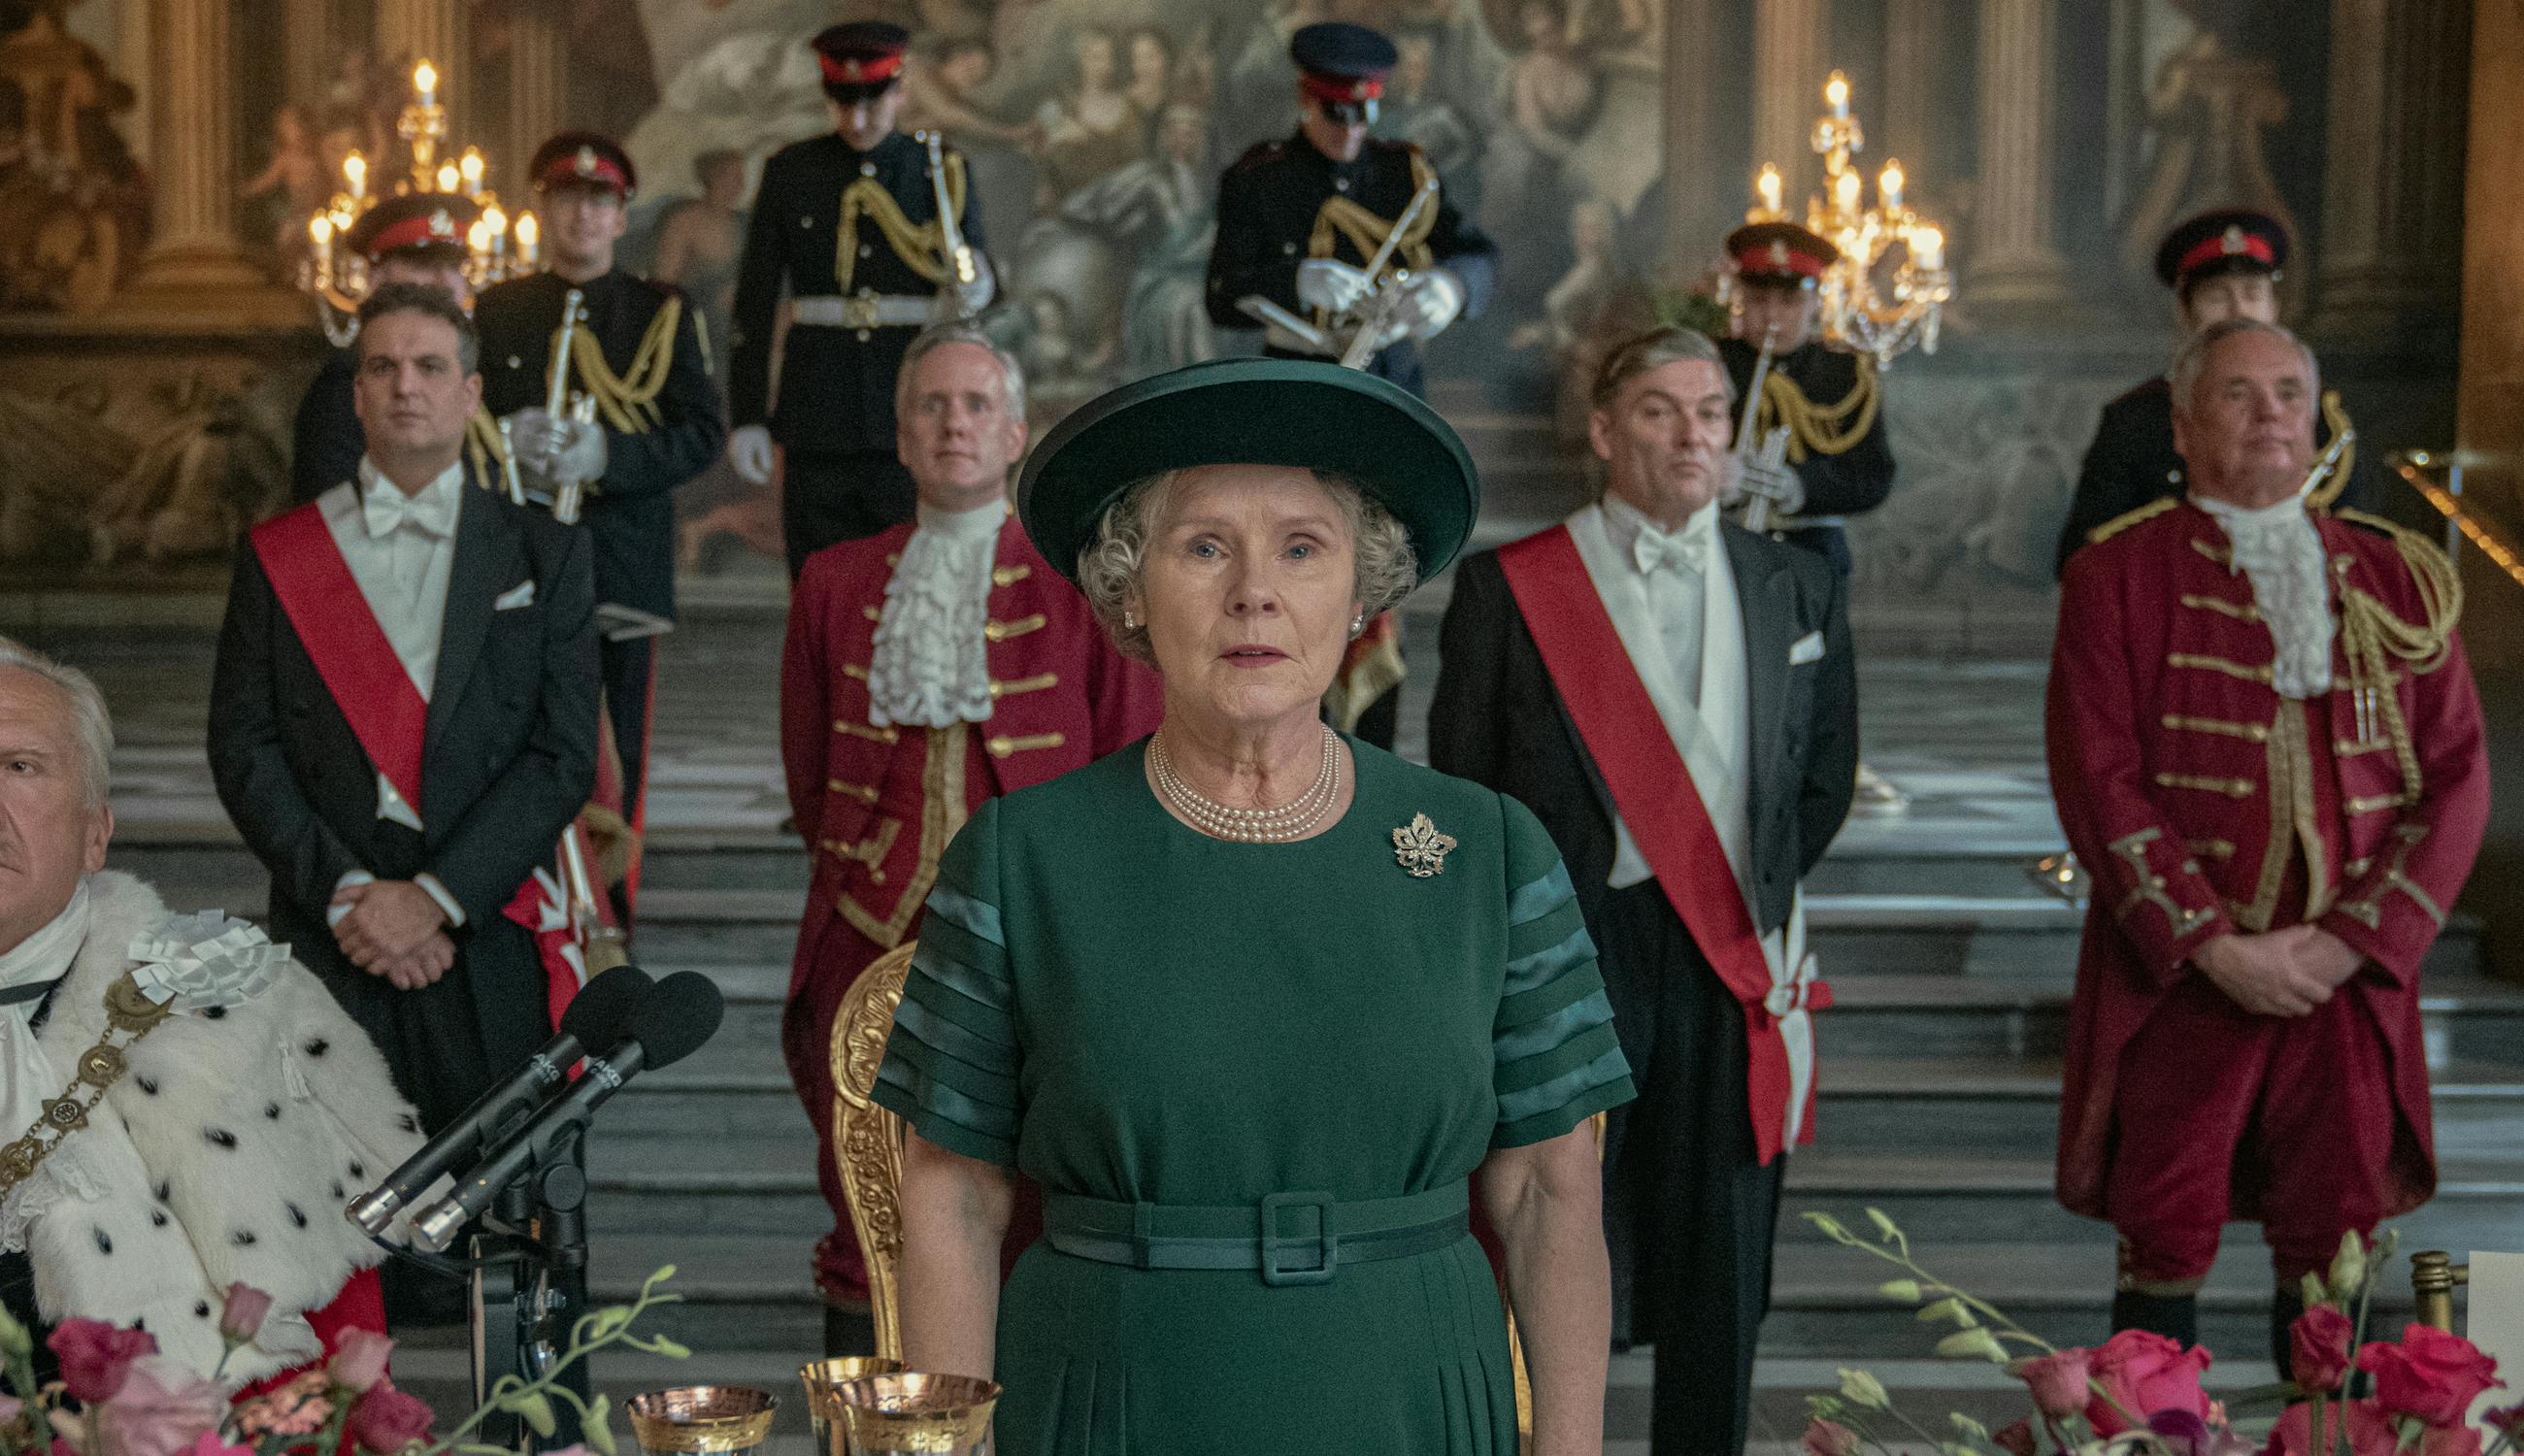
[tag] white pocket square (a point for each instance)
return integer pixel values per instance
(1806, 648)
(523, 595)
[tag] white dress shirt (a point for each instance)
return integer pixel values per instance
(931, 665)
(401, 550)
(2281, 549)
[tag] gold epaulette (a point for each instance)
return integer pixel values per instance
(1818, 429)
(2373, 637)
(2128, 518)
(2335, 417)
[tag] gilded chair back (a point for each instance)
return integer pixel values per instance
(868, 1140)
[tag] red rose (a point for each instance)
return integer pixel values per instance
(1828, 1439)
(2016, 1439)
(2058, 1383)
(2370, 1431)
(96, 1357)
(2431, 1375)
(2145, 1372)
(2318, 1355)
(386, 1420)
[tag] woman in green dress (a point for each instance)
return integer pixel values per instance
(1262, 1008)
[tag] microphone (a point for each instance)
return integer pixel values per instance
(678, 1015)
(599, 1015)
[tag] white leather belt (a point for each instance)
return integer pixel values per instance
(1806, 523)
(863, 310)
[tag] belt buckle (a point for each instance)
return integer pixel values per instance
(858, 310)
(1325, 1241)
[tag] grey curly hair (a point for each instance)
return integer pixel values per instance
(86, 708)
(1110, 568)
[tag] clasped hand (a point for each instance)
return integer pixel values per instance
(395, 929)
(557, 448)
(2285, 971)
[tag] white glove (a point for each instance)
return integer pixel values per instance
(580, 453)
(1777, 484)
(1430, 301)
(1332, 285)
(975, 296)
(533, 437)
(748, 450)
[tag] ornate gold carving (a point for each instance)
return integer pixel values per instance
(868, 1140)
(2231, 787)
(2249, 732)
(1002, 631)
(1009, 688)
(2150, 889)
(2241, 611)
(1001, 744)
(2249, 674)
(867, 731)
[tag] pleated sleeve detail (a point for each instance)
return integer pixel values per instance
(1557, 1061)
(951, 1066)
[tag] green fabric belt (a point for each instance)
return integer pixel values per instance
(1288, 1238)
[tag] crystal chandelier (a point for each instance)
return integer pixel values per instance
(495, 249)
(1857, 312)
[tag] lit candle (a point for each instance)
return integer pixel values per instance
(424, 80)
(446, 176)
(471, 167)
(526, 235)
(319, 231)
(1928, 248)
(1835, 94)
(478, 237)
(495, 224)
(1844, 193)
(1888, 185)
(1770, 186)
(355, 171)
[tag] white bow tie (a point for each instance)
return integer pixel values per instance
(1655, 547)
(386, 508)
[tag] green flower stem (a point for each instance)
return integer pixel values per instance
(591, 1333)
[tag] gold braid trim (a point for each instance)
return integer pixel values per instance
(921, 246)
(1818, 429)
(2336, 417)
(487, 450)
(1339, 218)
(2372, 636)
(628, 400)
(129, 1016)
(2128, 518)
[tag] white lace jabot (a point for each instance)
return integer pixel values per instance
(931, 668)
(2281, 549)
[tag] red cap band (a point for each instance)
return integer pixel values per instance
(1777, 258)
(2235, 242)
(856, 70)
(409, 233)
(1352, 88)
(584, 167)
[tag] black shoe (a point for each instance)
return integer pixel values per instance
(849, 1331)
(2174, 1316)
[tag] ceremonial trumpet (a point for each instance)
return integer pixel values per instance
(567, 495)
(1772, 450)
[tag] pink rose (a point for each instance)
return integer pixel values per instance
(2058, 1383)
(210, 1445)
(2016, 1439)
(2431, 1375)
(386, 1420)
(96, 1356)
(1828, 1439)
(360, 1361)
(161, 1410)
(2370, 1431)
(241, 1317)
(2318, 1349)
(2146, 1372)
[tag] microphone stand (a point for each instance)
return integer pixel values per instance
(530, 1290)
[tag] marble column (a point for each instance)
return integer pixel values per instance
(1695, 201)
(409, 31)
(1915, 43)
(2392, 183)
(2014, 262)
(538, 87)
(311, 30)
(193, 246)
(1787, 92)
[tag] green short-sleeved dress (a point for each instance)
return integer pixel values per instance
(1129, 1010)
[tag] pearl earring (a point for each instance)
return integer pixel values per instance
(1358, 624)
(1129, 621)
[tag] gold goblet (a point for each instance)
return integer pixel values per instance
(693, 1418)
(819, 1376)
(917, 1415)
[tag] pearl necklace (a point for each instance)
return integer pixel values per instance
(1292, 820)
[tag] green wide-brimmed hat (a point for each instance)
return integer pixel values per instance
(1253, 412)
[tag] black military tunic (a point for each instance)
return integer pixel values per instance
(835, 418)
(2132, 461)
(1838, 443)
(1273, 214)
(671, 439)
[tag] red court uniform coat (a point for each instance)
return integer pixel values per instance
(2203, 802)
(878, 805)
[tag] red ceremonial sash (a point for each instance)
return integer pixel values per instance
(359, 665)
(1653, 789)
